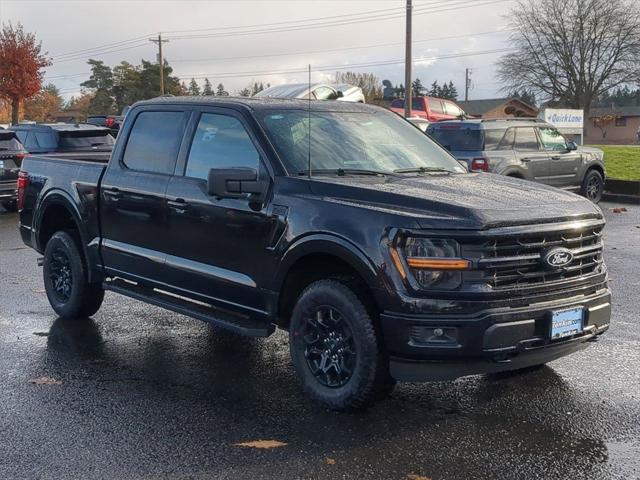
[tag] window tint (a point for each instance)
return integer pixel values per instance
(507, 141)
(552, 139)
(435, 106)
(87, 139)
(457, 139)
(46, 140)
(22, 136)
(453, 109)
(526, 139)
(154, 142)
(492, 138)
(220, 141)
(324, 93)
(398, 103)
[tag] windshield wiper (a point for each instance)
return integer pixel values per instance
(345, 171)
(422, 170)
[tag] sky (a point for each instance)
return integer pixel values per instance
(236, 42)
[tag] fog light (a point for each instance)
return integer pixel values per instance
(433, 336)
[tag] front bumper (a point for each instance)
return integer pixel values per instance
(490, 341)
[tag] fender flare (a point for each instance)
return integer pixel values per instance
(59, 198)
(323, 243)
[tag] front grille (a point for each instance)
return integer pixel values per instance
(514, 262)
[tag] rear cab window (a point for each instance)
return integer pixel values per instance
(9, 142)
(154, 141)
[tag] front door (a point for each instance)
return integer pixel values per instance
(132, 203)
(564, 163)
(218, 246)
(533, 159)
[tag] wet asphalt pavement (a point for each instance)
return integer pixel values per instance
(149, 394)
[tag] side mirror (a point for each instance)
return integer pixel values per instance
(571, 146)
(234, 182)
(340, 94)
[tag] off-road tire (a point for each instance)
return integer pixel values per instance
(83, 298)
(370, 379)
(592, 186)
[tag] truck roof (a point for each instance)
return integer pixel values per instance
(59, 127)
(490, 123)
(263, 103)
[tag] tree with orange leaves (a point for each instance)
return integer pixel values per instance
(21, 64)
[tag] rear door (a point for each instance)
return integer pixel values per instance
(132, 194)
(564, 163)
(218, 247)
(533, 159)
(436, 109)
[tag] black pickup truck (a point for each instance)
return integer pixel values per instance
(341, 223)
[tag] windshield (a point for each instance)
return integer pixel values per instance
(86, 139)
(458, 139)
(379, 141)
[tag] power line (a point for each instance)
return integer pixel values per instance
(342, 66)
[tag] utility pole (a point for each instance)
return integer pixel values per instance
(159, 41)
(407, 64)
(467, 84)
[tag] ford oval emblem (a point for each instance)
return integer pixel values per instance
(557, 258)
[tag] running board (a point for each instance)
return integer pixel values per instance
(240, 324)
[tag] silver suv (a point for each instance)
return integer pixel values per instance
(524, 148)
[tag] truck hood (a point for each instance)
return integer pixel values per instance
(458, 201)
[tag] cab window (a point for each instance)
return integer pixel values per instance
(220, 141)
(435, 106)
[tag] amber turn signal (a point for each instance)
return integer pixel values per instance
(439, 263)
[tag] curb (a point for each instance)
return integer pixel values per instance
(621, 198)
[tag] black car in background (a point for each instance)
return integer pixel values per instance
(64, 137)
(11, 154)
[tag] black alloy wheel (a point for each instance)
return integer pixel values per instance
(330, 351)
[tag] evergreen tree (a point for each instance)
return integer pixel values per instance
(245, 92)
(207, 89)
(417, 88)
(435, 89)
(221, 92)
(194, 88)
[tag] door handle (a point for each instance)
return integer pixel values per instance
(556, 157)
(178, 205)
(113, 193)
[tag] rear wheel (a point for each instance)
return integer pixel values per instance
(65, 279)
(593, 186)
(335, 349)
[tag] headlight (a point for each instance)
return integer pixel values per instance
(434, 262)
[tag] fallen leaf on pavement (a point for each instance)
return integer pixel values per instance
(619, 210)
(330, 461)
(46, 381)
(413, 476)
(261, 444)
(41, 334)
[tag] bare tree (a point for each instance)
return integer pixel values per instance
(571, 51)
(368, 82)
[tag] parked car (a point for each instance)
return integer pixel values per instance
(63, 137)
(11, 154)
(430, 108)
(524, 148)
(344, 225)
(318, 91)
(98, 120)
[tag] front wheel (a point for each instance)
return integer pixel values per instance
(65, 279)
(335, 350)
(593, 186)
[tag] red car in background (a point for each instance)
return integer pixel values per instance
(430, 108)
